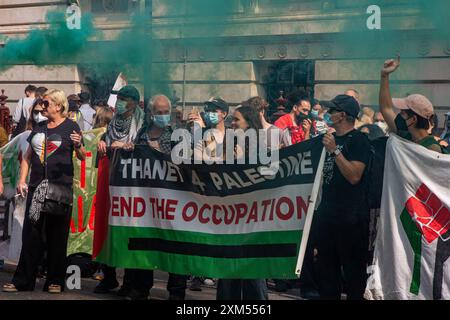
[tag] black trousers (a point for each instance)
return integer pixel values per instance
(50, 233)
(237, 289)
(342, 252)
(142, 281)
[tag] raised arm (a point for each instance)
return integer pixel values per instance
(385, 99)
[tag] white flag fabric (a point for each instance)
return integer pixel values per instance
(121, 82)
(412, 250)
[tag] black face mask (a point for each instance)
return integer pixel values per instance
(400, 123)
(301, 117)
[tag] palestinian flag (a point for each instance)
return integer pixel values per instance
(412, 249)
(220, 221)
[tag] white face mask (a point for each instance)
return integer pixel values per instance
(382, 125)
(39, 118)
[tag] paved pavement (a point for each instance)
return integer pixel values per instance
(158, 292)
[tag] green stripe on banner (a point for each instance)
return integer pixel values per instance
(415, 239)
(116, 253)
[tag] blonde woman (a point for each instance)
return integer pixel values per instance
(49, 195)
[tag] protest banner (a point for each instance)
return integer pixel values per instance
(412, 250)
(220, 221)
(84, 190)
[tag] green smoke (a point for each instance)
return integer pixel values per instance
(43, 47)
(211, 21)
(99, 59)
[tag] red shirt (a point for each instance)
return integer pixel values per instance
(297, 133)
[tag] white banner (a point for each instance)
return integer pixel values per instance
(412, 249)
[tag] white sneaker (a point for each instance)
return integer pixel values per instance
(209, 282)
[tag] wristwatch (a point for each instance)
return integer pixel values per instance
(337, 152)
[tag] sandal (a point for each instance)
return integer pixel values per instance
(54, 288)
(9, 287)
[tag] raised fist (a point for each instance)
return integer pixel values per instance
(390, 66)
(429, 213)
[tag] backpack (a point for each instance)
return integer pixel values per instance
(375, 171)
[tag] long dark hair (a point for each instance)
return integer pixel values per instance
(31, 123)
(251, 116)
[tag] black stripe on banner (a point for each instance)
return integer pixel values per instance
(283, 250)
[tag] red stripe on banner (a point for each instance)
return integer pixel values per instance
(83, 171)
(80, 214)
(101, 206)
(91, 224)
(72, 226)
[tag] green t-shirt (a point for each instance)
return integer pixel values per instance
(428, 142)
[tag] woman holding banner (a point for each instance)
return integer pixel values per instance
(244, 118)
(49, 195)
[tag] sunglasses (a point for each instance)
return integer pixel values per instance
(45, 103)
(36, 112)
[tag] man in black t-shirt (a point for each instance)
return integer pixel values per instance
(342, 217)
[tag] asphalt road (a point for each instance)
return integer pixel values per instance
(158, 292)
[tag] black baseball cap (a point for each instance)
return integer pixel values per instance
(84, 96)
(344, 103)
(128, 92)
(219, 103)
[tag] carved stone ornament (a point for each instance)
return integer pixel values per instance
(261, 52)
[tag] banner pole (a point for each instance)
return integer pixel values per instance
(309, 214)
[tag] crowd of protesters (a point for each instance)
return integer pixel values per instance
(338, 251)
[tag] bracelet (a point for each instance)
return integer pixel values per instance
(337, 152)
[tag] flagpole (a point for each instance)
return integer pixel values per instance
(309, 214)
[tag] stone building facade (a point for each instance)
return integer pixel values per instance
(258, 47)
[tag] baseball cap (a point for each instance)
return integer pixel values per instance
(417, 103)
(344, 103)
(84, 96)
(219, 103)
(128, 91)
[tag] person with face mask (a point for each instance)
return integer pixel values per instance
(20, 142)
(211, 147)
(379, 121)
(156, 133)
(416, 111)
(414, 123)
(296, 124)
(36, 117)
(157, 129)
(342, 219)
(123, 129)
(127, 121)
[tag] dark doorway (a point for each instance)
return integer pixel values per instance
(287, 76)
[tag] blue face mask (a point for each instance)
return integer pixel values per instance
(327, 119)
(211, 118)
(121, 106)
(315, 113)
(161, 121)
